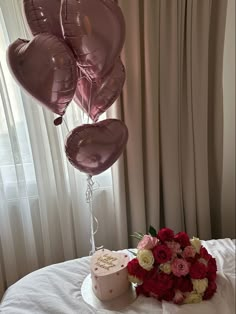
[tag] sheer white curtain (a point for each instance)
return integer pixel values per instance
(44, 217)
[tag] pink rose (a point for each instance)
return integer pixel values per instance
(189, 251)
(180, 267)
(147, 243)
(175, 248)
(178, 298)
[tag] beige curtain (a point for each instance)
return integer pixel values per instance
(172, 105)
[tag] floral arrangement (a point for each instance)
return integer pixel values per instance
(172, 267)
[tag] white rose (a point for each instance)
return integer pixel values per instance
(166, 268)
(200, 285)
(196, 243)
(145, 259)
(135, 280)
(193, 297)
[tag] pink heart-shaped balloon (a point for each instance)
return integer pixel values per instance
(93, 148)
(95, 30)
(96, 97)
(43, 16)
(46, 68)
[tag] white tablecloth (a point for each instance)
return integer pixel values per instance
(57, 290)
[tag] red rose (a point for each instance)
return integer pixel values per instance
(151, 286)
(211, 269)
(184, 284)
(140, 290)
(165, 234)
(211, 289)
(164, 282)
(198, 270)
(160, 285)
(162, 254)
(152, 274)
(211, 276)
(134, 269)
(168, 295)
(204, 254)
(182, 238)
(192, 260)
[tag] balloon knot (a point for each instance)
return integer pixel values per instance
(58, 121)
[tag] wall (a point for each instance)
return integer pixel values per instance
(228, 192)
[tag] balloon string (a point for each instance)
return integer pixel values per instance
(83, 113)
(89, 200)
(66, 9)
(89, 104)
(66, 125)
(81, 77)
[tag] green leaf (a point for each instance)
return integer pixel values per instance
(140, 233)
(152, 231)
(136, 236)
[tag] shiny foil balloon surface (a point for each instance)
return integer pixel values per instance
(43, 16)
(93, 148)
(46, 68)
(96, 97)
(95, 30)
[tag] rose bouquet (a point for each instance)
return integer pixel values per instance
(172, 267)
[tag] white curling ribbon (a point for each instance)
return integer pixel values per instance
(89, 200)
(89, 193)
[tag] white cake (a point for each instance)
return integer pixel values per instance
(109, 274)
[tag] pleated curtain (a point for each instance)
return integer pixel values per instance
(172, 104)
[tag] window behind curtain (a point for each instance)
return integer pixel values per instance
(44, 217)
